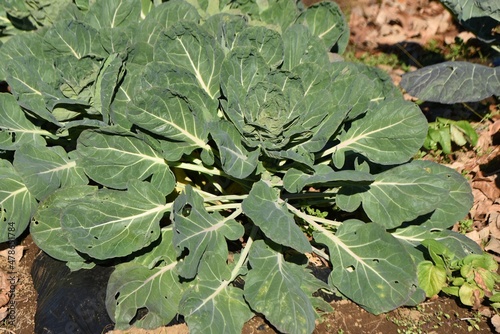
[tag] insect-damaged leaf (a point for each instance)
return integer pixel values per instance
(112, 223)
(199, 232)
(291, 310)
(142, 283)
(211, 305)
(266, 210)
(372, 268)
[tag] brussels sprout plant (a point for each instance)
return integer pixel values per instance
(181, 143)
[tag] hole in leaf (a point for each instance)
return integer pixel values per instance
(375, 261)
(186, 210)
(350, 269)
(96, 238)
(396, 282)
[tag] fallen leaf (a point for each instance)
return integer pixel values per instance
(18, 253)
(495, 321)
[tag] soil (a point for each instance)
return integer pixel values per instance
(404, 28)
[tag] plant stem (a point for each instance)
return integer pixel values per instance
(244, 254)
(197, 168)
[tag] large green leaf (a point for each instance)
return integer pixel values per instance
(46, 229)
(188, 46)
(212, 305)
(72, 38)
(17, 204)
(372, 268)
(113, 13)
(113, 160)
(113, 223)
(386, 202)
(15, 128)
(326, 21)
(273, 288)
(456, 203)
(169, 115)
(142, 284)
(453, 82)
(45, 169)
(34, 82)
(389, 135)
(163, 16)
(480, 17)
(295, 180)
(268, 43)
(302, 47)
(236, 160)
(199, 232)
(158, 74)
(266, 210)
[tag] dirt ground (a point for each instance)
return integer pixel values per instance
(403, 28)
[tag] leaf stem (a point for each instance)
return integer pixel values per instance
(244, 254)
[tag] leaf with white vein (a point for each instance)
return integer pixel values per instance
(187, 46)
(17, 204)
(212, 305)
(15, 128)
(171, 116)
(133, 286)
(199, 232)
(391, 134)
(266, 210)
(113, 160)
(45, 169)
(46, 228)
(397, 195)
(372, 268)
(236, 160)
(112, 223)
(273, 288)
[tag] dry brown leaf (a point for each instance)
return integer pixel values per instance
(495, 321)
(493, 246)
(18, 254)
(175, 329)
(4, 288)
(4, 312)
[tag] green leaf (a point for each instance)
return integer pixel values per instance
(390, 135)
(158, 74)
(199, 232)
(34, 83)
(278, 13)
(326, 21)
(133, 286)
(266, 210)
(295, 180)
(163, 16)
(273, 288)
(113, 13)
(169, 115)
(211, 305)
(17, 204)
(302, 47)
(453, 82)
(268, 43)
(431, 278)
(236, 160)
(372, 268)
(385, 200)
(45, 169)
(15, 129)
(113, 160)
(46, 229)
(72, 38)
(113, 223)
(189, 47)
(456, 204)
